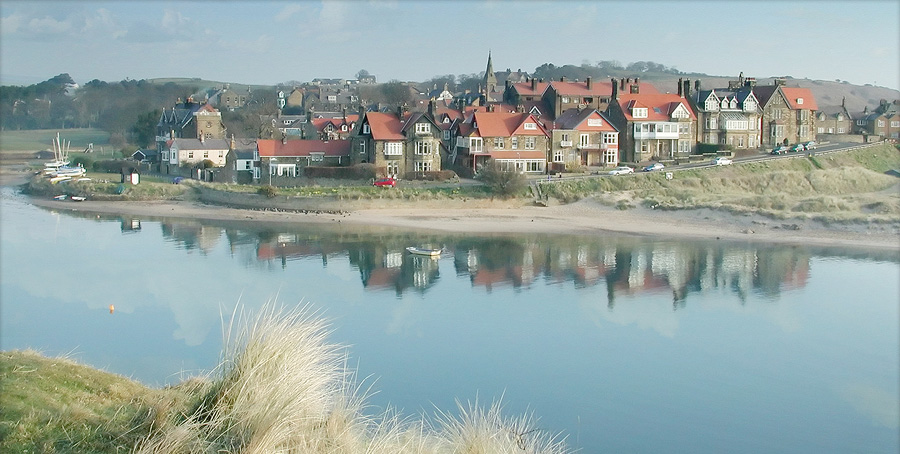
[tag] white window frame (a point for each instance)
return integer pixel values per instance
(498, 143)
(639, 112)
(610, 138)
(594, 122)
(393, 148)
(557, 156)
(530, 126)
(423, 128)
(514, 141)
(424, 147)
(366, 129)
(422, 166)
(584, 140)
(529, 143)
(476, 145)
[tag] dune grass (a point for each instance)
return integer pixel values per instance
(281, 387)
(840, 187)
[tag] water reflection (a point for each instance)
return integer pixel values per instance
(624, 267)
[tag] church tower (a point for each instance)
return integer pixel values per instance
(489, 82)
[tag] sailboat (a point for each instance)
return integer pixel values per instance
(59, 169)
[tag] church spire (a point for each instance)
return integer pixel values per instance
(490, 81)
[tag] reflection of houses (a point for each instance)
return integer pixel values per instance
(192, 236)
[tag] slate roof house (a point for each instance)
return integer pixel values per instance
(188, 119)
(834, 120)
(287, 158)
(725, 116)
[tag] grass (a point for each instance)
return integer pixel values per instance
(281, 387)
(41, 139)
(839, 187)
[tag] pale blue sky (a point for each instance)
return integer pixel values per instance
(271, 42)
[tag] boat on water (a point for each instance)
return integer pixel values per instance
(424, 251)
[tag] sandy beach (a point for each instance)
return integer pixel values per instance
(584, 217)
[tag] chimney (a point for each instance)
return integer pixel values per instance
(637, 80)
(520, 108)
(232, 141)
(680, 87)
(615, 89)
(284, 139)
(490, 108)
(687, 88)
(635, 88)
(622, 84)
(431, 108)
(400, 112)
(590, 83)
(562, 79)
(697, 85)
(843, 101)
(533, 84)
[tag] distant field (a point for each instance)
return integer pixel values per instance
(41, 139)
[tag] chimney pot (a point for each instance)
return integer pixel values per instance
(589, 83)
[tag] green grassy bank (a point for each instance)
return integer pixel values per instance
(281, 387)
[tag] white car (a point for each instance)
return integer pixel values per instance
(720, 161)
(621, 170)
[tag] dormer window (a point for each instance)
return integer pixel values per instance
(365, 129)
(724, 103)
(531, 126)
(799, 100)
(639, 112)
(343, 127)
(734, 104)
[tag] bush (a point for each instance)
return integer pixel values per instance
(504, 183)
(83, 160)
(109, 166)
(267, 190)
(355, 172)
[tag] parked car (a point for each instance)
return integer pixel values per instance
(621, 170)
(811, 145)
(721, 161)
(654, 166)
(780, 149)
(798, 147)
(385, 182)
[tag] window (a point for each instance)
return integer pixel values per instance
(529, 143)
(684, 146)
(776, 114)
(684, 128)
(205, 154)
(498, 143)
(531, 126)
(476, 145)
(557, 156)
(423, 148)
(749, 105)
(741, 142)
(565, 99)
(317, 157)
(190, 155)
(393, 149)
(711, 123)
(343, 127)
(799, 100)
(895, 124)
(595, 122)
(711, 104)
(447, 135)
(585, 140)
(362, 148)
(610, 138)
(564, 137)
(515, 143)
(840, 130)
(880, 123)
(365, 129)
(680, 113)
(423, 128)
(393, 168)
(821, 130)
(804, 115)
(639, 112)
(247, 165)
(423, 166)
(804, 131)
(332, 98)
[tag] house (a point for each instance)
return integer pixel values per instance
(242, 162)
(226, 98)
(188, 119)
(729, 117)
(834, 120)
(287, 158)
(879, 125)
(331, 127)
(788, 114)
(401, 144)
(584, 137)
(654, 126)
(563, 95)
(525, 92)
(148, 156)
(517, 140)
(184, 154)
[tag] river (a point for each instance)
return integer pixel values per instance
(620, 344)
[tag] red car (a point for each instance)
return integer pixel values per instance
(386, 182)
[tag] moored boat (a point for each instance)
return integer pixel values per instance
(424, 251)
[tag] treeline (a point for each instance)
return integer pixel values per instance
(116, 107)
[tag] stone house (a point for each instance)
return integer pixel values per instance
(182, 155)
(725, 116)
(652, 125)
(400, 145)
(188, 119)
(834, 120)
(788, 114)
(517, 140)
(584, 137)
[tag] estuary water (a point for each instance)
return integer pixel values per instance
(620, 344)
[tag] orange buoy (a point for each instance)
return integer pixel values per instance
(112, 308)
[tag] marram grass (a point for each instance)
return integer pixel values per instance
(283, 388)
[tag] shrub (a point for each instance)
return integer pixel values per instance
(504, 183)
(109, 166)
(267, 190)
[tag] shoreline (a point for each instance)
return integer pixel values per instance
(585, 217)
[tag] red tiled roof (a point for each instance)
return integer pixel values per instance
(505, 124)
(524, 88)
(792, 94)
(299, 148)
(665, 104)
(321, 123)
(384, 126)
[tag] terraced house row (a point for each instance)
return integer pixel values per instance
(526, 124)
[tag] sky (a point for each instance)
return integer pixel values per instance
(271, 42)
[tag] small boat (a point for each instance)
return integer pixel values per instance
(424, 251)
(78, 198)
(60, 197)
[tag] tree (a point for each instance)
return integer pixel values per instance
(362, 73)
(396, 93)
(144, 129)
(502, 182)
